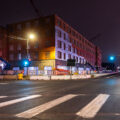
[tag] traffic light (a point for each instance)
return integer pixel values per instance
(26, 62)
(112, 58)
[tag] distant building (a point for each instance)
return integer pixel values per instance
(3, 43)
(98, 58)
(55, 43)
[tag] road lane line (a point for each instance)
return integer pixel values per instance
(90, 110)
(39, 109)
(3, 96)
(3, 83)
(3, 104)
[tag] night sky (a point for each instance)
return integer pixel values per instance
(89, 17)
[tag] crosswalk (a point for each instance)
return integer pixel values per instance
(90, 110)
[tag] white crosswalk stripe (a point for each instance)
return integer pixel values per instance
(3, 83)
(90, 110)
(39, 109)
(3, 104)
(3, 96)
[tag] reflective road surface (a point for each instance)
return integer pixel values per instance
(90, 99)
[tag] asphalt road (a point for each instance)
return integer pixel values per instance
(94, 99)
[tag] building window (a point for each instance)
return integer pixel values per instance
(27, 24)
(47, 20)
(76, 59)
(19, 56)
(64, 36)
(64, 27)
(11, 57)
(36, 23)
(73, 50)
(59, 33)
(76, 51)
(73, 57)
(70, 39)
(47, 43)
(59, 54)
(73, 33)
(19, 47)
(64, 56)
(59, 44)
(79, 37)
(19, 27)
(69, 30)
(47, 55)
(59, 22)
(69, 48)
(11, 47)
(64, 46)
(79, 60)
(84, 61)
(73, 41)
(69, 56)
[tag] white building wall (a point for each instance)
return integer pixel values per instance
(67, 44)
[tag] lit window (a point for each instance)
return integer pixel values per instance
(47, 55)
(19, 56)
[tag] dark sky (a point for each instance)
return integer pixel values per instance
(89, 17)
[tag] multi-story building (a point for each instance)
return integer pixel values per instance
(3, 48)
(3, 43)
(98, 58)
(56, 42)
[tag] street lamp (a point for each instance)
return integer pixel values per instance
(30, 37)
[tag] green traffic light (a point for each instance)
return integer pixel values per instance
(112, 58)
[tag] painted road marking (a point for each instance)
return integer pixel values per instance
(3, 104)
(3, 96)
(39, 109)
(90, 110)
(3, 83)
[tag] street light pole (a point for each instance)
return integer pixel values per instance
(28, 48)
(27, 53)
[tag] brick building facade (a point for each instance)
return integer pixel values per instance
(3, 43)
(56, 42)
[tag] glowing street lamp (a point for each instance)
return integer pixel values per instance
(31, 36)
